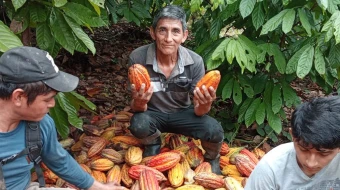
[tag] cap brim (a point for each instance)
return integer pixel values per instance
(64, 82)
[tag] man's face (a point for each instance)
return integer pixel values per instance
(312, 160)
(168, 35)
(39, 107)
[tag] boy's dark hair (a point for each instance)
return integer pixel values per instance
(31, 90)
(172, 12)
(317, 123)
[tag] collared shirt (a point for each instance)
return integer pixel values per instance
(170, 94)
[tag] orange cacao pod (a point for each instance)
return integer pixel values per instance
(148, 180)
(212, 78)
(97, 147)
(203, 167)
(224, 160)
(139, 75)
(130, 140)
(190, 187)
(231, 170)
(209, 180)
(102, 164)
(112, 155)
(126, 179)
(134, 172)
(99, 176)
(134, 155)
(252, 157)
(176, 175)
(224, 149)
(86, 168)
(244, 165)
(164, 161)
(114, 175)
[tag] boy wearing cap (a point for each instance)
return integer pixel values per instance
(29, 81)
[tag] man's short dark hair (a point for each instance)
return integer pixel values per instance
(171, 12)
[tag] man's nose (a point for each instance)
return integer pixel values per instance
(312, 161)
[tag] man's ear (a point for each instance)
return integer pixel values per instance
(185, 35)
(18, 97)
(152, 33)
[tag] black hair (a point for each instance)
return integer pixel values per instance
(172, 12)
(317, 123)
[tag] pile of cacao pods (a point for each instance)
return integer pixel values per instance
(108, 152)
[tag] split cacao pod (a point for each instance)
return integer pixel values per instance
(139, 75)
(212, 78)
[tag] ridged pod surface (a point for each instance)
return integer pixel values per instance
(139, 75)
(164, 161)
(209, 180)
(250, 155)
(176, 175)
(114, 175)
(212, 78)
(148, 180)
(232, 184)
(190, 187)
(244, 165)
(134, 172)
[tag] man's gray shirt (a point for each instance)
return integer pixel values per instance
(170, 94)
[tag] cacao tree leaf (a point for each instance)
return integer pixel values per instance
(231, 1)
(218, 54)
(329, 34)
(78, 31)
(260, 113)
(228, 89)
(216, 26)
(59, 3)
(8, 39)
(293, 62)
(243, 109)
(195, 5)
(337, 28)
(273, 23)
(96, 8)
(44, 36)
(319, 62)
(246, 85)
(304, 21)
(259, 83)
(62, 31)
(140, 12)
(276, 99)
(37, 12)
(237, 94)
(241, 56)
(71, 112)
(131, 17)
(332, 6)
(18, 4)
(78, 101)
(289, 95)
(258, 16)
(99, 3)
(279, 59)
(323, 4)
(274, 121)
(249, 117)
(288, 21)
(305, 62)
(246, 7)
(60, 119)
(230, 50)
(334, 55)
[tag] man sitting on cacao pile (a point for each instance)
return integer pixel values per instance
(166, 105)
(312, 160)
(29, 81)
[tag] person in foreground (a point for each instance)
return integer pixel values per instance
(312, 160)
(166, 106)
(29, 81)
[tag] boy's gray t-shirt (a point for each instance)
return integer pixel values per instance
(279, 170)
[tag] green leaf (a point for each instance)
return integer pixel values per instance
(100, 3)
(288, 21)
(249, 117)
(293, 62)
(274, 121)
(60, 119)
(323, 4)
(59, 3)
(18, 3)
(241, 56)
(78, 31)
(230, 50)
(44, 37)
(70, 111)
(215, 29)
(228, 89)
(243, 109)
(8, 39)
(259, 83)
(319, 62)
(246, 7)
(332, 6)
(237, 94)
(218, 54)
(276, 99)
(305, 62)
(279, 58)
(289, 95)
(195, 5)
(258, 16)
(337, 29)
(246, 85)
(304, 21)
(130, 16)
(62, 31)
(37, 12)
(334, 55)
(260, 113)
(78, 101)
(274, 22)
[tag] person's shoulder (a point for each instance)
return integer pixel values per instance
(282, 151)
(143, 48)
(47, 122)
(196, 58)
